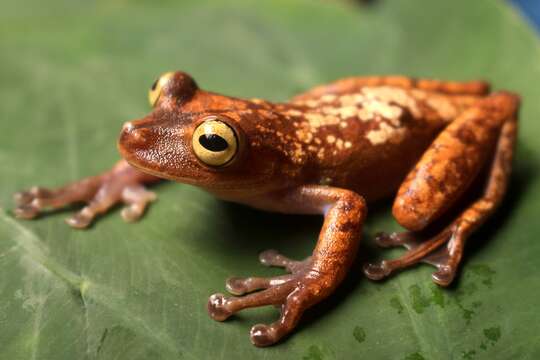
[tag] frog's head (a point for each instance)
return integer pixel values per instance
(199, 138)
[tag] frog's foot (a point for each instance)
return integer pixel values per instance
(241, 286)
(100, 193)
(443, 251)
(293, 293)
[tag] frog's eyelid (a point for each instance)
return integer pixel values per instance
(155, 92)
(157, 87)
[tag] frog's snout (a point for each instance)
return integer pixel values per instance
(128, 126)
(134, 138)
(157, 149)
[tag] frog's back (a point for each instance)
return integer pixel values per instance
(368, 139)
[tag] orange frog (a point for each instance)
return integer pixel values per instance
(327, 151)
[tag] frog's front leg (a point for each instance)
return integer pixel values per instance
(486, 132)
(123, 183)
(311, 280)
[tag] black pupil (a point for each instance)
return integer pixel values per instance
(213, 142)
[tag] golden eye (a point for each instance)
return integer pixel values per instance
(214, 142)
(157, 88)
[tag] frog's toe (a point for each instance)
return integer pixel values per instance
(445, 275)
(35, 192)
(407, 239)
(385, 240)
(217, 307)
(81, 219)
(292, 309)
(221, 307)
(274, 258)
(22, 198)
(241, 286)
(376, 271)
(443, 251)
(262, 335)
(26, 211)
(37, 200)
(132, 213)
(137, 199)
(30, 203)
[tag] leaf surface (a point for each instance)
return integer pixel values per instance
(72, 72)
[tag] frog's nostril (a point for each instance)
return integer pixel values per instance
(133, 135)
(128, 126)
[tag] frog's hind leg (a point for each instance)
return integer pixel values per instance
(443, 174)
(478, 87)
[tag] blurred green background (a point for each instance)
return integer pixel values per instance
(73, 71)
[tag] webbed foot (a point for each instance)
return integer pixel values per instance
(443, 251)
(100, 193)
(293, 293)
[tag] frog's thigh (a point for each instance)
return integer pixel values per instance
(452, 162)
(477, 87)
(354, 84)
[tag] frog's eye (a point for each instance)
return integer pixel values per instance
(214, 142)
(157, 88)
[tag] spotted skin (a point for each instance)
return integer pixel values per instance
(328, 151)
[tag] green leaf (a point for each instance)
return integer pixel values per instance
(73, 71)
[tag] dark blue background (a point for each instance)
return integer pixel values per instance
(530, 9)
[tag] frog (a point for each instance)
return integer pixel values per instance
(328, 151)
